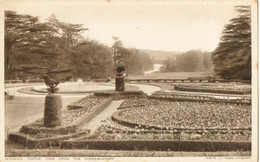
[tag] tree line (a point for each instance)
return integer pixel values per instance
(34, 48)
(191, 61)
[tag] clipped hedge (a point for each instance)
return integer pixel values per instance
(34, 81)
(211, 90)
(13, 81)
(162, 145)
(120, 94)
(180, 99)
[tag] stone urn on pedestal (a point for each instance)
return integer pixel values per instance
(120, 79)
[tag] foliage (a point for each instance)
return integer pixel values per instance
(191, 61)
(26, 42)
(92, 60)
(232, 57)
(55, 48)
(118, 50)
(136, 62)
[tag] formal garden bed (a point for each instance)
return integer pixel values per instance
(176, 96)
(171, 115)
(142, 123)
(227, 88)
(147, 124)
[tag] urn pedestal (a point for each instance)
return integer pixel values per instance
(52, 110)
(120, 84)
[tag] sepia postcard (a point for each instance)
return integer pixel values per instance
(121, 80)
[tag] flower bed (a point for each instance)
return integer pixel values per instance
(199, 98)
(85, 102)
(164, 114)
(214, 87)
(134, 101)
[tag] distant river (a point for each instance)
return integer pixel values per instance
(156, 68)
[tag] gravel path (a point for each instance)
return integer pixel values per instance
(94, 123)
(26, 108)
(148, 89)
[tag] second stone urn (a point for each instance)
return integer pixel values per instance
(120, 79)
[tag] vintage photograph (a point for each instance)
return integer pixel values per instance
(105, 80)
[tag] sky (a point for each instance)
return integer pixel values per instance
(155, 25)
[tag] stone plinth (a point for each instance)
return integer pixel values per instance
(52, 111)
(120, 84)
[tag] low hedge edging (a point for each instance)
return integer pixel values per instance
(197, 100)
(120, 94)
(163, 145)
(211, 91)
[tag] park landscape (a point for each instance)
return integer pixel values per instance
(69, 96)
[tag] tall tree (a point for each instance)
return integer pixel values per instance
(26, 40)
(39, 48)
(232, 57)
(92, 60)
(67, 38)
(119, 51)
